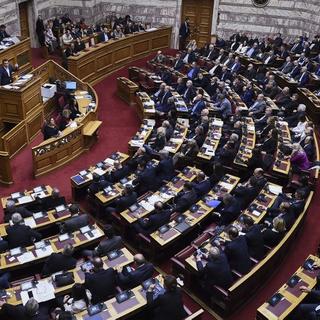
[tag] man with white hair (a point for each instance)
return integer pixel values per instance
(11, 208)
(258, 107)
(20, 235)
(303, 78)
(189, 93)
(294, 118)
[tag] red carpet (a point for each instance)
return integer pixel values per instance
(120, 122)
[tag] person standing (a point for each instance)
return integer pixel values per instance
(184, 33)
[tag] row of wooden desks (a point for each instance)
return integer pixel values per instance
(289, 296)
(81, 180)
(20, 257)
(124, 257)
(197, 213)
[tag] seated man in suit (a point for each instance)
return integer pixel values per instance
(235, 67)
(127, 199)
(11, 209)
(159, 94)
(6, 71)
(193, 72)
(100, 282)
(118, 172)
(246, 192)
(105, 35)
(230, 211)
(225, 74)
(217, 270)
(3, 32)
(158, 218)
(258, 106)
(180, 86)
(178, 62)
(253, 237)
(295, 71)
(237, 251)
(61, 261)
(159, 57)
(165, 167)
(223, 106)
(146, 179)
(54, 201)
(185, 198)
(198, 106)
(287, 66)
(112, 242)
(189, 56)
(260, 178)
(29, 311)
(253, 51)
(20, 235)
(201, 185)
(163, 105)
(209, 54)
(189, 93)
(303, 78)
(143, 271)
(98, 183)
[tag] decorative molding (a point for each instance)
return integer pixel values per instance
(260, 3)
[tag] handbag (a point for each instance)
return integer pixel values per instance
(64, 279)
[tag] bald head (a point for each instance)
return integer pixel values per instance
(139, 259)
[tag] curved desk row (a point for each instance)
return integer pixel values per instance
(96, 62)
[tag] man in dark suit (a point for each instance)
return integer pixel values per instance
(54, 201)
(278, 40)
(217, 270)
(201, 185)
(3, 32)
(185, 198)
(295, 70)
(235, 67)
(209, 54)
(112, 242)
(143, 271)
(283, 52)
(105, 35)
(189, 56)
(297, 47)
(61, 261)
(158, 218)
(178, 62)
(11, 208)
(29, 311)
(118, 172)
(100, 282)
(230, 210)
(253, 51)
(193, 72)
(198, 106)
(253, 237)
(303, 78)
(164, 104)
(184, 33)
(237, 251)
(165, 167)
(6, 71)
(128, 198)
(189, 92)
(146, 179)
(225, 74)
(20, 235)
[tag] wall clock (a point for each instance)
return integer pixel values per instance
(260, 3)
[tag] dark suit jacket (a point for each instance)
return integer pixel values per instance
(269, 146)
(238, 254)
(216, 272)
(50, 203)
(137, 276)
(22, 210)
(168, 306)
(165, 169)
(271, 238)
(191, 57)
(184, 30)
(230, 212)
(255, 242)
(101, 284)
(58, 262)
(178, 64)
(10, 312)
(119, 174)
(189, 94)
(185, 200)
(202, 187)
(125, 202)
(155, 221)
(108, 245)
(4, 77)
(303, 80)
(246, 194)
(21, 236)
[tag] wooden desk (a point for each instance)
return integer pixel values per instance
(175, 142)
(292, 296)
(8, 262)
(47, 220)
(126, 258)
(56, 152)
(126, 90)
(99, 61)
(19, 53)
(81, 180)
(47, 190)
(145, 106)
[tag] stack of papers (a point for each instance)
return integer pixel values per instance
(146, 205)
(44, 252)
(44, 291)
(29, 221)
(275, 189)
(226, 185)
(25, 199)
(26, 257)
(99, 171)
(109, 161)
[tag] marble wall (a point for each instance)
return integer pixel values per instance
(290, 17)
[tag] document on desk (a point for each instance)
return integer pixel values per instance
(226, 185)
(44, 252)
(146, 205)
(26, 257)
(44, 291)
(109, 161)
(99, 171)
(25, 199)
(154, 198)
(39, 194)
(29, 221)
(275, 189)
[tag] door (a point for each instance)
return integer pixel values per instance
(200, 14)
(24, 22)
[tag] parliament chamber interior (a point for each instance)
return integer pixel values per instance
(159, 160)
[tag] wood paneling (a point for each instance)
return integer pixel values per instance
(88, 66)
(15, 139)
(200, 15)
(34, 124)
(24, 21)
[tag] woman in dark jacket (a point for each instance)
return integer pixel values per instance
(169, 305)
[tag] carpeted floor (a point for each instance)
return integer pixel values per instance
(120, 122)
